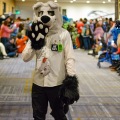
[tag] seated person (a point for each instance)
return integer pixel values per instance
(21, 42)
(115, 56)
(3, 51)
(115, 31)
(11, 48)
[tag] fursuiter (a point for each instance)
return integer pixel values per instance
(55, 78)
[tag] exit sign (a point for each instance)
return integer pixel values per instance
(17, 12)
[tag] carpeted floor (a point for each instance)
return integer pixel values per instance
(99, 90)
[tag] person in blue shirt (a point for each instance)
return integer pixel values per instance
(114, 32)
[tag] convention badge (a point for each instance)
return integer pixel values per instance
(60, 47)
(54, 47)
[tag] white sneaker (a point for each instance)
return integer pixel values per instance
(6, 57)
(97, 56)
(90, 52)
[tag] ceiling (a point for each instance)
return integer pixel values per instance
(77, 1)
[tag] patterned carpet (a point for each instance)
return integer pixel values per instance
(99, 90)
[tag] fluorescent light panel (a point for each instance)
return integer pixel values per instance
(72, 1)
(87, 1)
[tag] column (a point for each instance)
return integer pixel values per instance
(117, 9)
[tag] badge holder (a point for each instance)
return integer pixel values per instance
(60, 47)
(54, 47)
(57, 47)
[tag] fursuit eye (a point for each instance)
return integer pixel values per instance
(51, 13)
(40, 13)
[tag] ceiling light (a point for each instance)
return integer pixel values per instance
(103, 2)
(74, 0)
(87, 1)
(71, 1)
(109, 0)
(55, 0)
(23, 0)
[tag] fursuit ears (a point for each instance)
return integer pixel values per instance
(47, 18)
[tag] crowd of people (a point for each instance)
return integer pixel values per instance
(93, 35)
(90, 32)
(96, 36)
(13, 36)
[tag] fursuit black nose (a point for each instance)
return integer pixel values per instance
(45, 19)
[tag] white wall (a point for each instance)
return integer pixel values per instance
(81, 10)
(75, 11)
(25, 9)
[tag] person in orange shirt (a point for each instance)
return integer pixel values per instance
(21, 42)
(79, 26)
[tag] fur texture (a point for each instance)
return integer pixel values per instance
(50, 11)
(69, 92)
(49, 14)
(66, 108)
(37, 35)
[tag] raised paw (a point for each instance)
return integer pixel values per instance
(37, 35)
